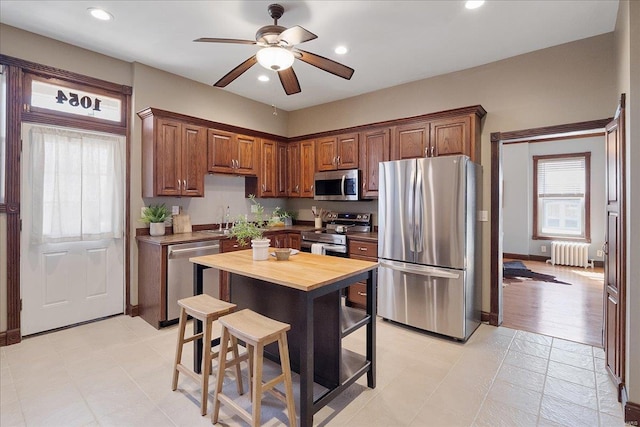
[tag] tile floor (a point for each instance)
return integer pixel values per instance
(117, 372)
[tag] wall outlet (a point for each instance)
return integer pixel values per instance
(483, 216)
(175, 210)
(254, 208)
(543, 249)
(599, 253)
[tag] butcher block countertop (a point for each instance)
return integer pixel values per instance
(303, 271)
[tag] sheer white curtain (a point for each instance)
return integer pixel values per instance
(77, 185)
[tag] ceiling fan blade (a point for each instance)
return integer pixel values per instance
(215, 40)
(289, 81)
(326, 64)
(236, 72)
(296, 35)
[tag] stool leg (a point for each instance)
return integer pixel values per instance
(257, 383)
(283, 347)
(222, 358)
(181, 329)
(236, 356)
(206, 365)
(250, 371)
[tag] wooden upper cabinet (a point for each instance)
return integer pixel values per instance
(268, 169)
(374, 148)
(410, 141)
(337, 152)
(451, 136)
(231, 153)
(438, 137)
(326, 154)
(307, 168)
(172, 157)
(281, 175)
(293, 169)
(194, 141)
(348, 151)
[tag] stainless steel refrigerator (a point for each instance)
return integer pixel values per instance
(429, 244)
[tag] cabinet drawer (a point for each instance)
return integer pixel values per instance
(231, 245)
(363, 249)
(357, 295)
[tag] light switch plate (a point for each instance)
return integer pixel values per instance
(483, 216)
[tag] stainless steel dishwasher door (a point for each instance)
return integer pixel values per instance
(180, 274)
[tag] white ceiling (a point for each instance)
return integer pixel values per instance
(390, 42)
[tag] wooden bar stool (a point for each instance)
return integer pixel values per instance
(256, 331)
(206, 309)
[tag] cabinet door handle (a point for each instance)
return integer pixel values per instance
(364, 184)
(338, 161)
(236, 246)
(184, 184)
(297, 186)
(426, 151)
(178, 185)
(264, 188)
(362, 294)
(362, 249)
(432, 150)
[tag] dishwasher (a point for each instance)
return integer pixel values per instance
(180, 274)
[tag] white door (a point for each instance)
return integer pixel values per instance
(72, 210)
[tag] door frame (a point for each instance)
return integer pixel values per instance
(548, 133)
(17, 112)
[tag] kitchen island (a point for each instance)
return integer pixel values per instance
(306, 292)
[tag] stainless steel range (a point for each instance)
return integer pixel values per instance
(333, 236)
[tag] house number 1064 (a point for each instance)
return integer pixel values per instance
(73, 100)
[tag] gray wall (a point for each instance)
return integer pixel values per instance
(517, 168)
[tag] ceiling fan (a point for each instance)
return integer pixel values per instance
(278, 52)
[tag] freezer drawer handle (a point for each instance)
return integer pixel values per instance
(424, 271)
(198, 249)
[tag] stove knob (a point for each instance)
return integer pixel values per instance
(359, 216)
(365, 217)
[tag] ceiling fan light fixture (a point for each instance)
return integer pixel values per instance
(263, 78)
(341, 50)
(275, 58)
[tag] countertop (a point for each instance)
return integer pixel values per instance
(200, 236)
(302, 271)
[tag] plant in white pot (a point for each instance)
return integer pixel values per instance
(155, 216)
(244, 230)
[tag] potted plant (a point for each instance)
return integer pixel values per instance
(155, 216)
(281, 217)
(245, 230)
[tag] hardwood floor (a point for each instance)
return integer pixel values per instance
(572, 312)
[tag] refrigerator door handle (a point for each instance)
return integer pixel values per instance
(419, 207)
(412, 218)
(421, 270)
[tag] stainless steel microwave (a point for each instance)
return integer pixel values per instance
(337, 185)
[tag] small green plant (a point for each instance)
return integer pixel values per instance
(245, 230)
(155, 213)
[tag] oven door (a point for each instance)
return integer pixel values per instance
(330, 249)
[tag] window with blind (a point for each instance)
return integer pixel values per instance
(561, 197)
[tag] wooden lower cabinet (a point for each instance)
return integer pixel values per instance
(365, 250)
(294, 240)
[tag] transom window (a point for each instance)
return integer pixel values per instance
(561, 201)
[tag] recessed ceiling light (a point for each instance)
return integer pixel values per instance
(100, 14)
(473, 4)
(341, 50)
(263, 78)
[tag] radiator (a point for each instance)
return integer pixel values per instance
(570, 253)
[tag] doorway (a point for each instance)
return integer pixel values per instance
(72, 241)
(554, 190)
